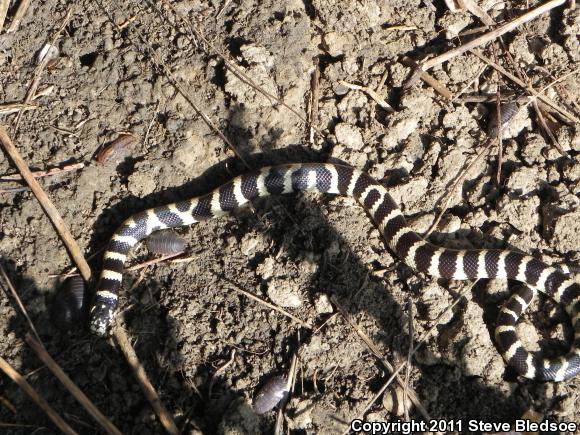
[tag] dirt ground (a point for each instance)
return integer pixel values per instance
(206, 347)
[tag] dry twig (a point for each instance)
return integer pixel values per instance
(41, 67)
(41, 352)
(37, 398)
(8, 108)
(4, 4)
(371, 93)
(47, 173)
(314, 99)
(376, 351)
(450, 193)
(47, 205)
(484, 39)
(419, 344)
(529, 89)
(429, 79)
(19, 302)
(19, 15)
(139, 373)
(261, 301)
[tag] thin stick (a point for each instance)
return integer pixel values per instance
(261, 301)
(409, 356)
(375, 350)
(532, 91)
(146, 137)
(314, 99)
(14, 189)
(429, 79)
(219, 372)
(8, 108)
(19, 15)
(4, 4)
(19, 302)
(41, 67)
(481, 40)
(499, 142)
(100, 418)
(230, 65)
(278, 428)
(450, 193)
(47, 173)
(154, 261)
(371, 93)
(37, 398)
(171, 78)
(419, 344)
(546, 128)
(47, 205)
(139, 373)
(471, 82)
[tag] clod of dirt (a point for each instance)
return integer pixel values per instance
(349, 135)
(322, 304)
(566, 230)
(284, 292)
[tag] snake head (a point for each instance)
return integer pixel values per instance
(102, 315)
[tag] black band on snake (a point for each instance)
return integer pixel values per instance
(406, 244)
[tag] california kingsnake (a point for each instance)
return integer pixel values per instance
(408, 245)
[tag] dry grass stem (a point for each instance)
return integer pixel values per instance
(37, 398)
(450, 192)
(314, 99)
(154, 261)
(409, 356)
(237, 288)
(47, 173)
(477, 10)
(516, 80)
(429, 79)
(174, 82)
(401, 28)
(19, 15)
(41, 67)
(4, 4)
(483, 39)
(44, 356)
(195, 33)
(139, 373)
(8, 108)
(219, 372)
(19, 302)
(279, 427)
(371, 93)
(47, 205)
(376, 351)
(419, 344)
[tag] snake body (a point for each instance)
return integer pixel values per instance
(410, 247)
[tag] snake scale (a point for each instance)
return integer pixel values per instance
(410, 247)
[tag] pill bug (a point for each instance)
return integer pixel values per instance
(115, 149)
(70, 304)
(508, 111)
(271, 394)
(165, 242)
(393, 402)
